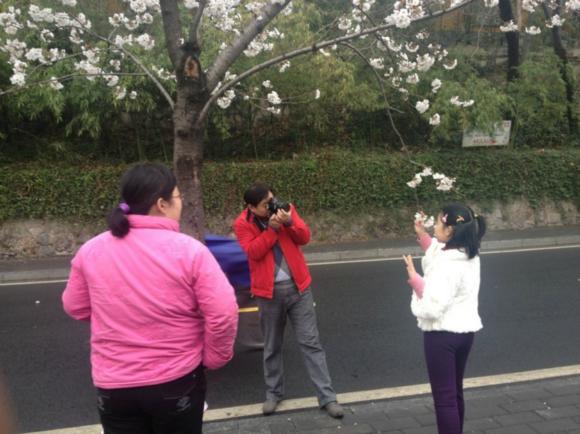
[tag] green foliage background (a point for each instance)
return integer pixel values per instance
(330, 180)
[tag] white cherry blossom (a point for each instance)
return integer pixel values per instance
(412, 79)
(450, 66)
(191, 4)
(555, 21)
(435, 119)
(284, 66)
(55, 84)
(422, 106)
(120, 93)
(509, 26)
(18, 79)
(273, 98)
(533, 30)
(146, 41)
(377, 63)
(435, 85)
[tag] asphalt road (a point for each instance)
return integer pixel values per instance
(529, 302)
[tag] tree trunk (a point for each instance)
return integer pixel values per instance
(188, 160)
(561, 52)
(512, 38)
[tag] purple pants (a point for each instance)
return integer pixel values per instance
(446, 356)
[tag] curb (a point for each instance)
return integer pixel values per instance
(61, 272)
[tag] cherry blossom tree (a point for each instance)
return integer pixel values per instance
(388, 38)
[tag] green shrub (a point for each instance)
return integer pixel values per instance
(539, 96)
(328, 181)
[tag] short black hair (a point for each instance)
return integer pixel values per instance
(257, 193)
(468, 228)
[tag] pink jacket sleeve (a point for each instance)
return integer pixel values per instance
(217, 303)
(425, 241)
(75, 298)
(418, 285)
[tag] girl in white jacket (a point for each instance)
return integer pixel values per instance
(445, 304)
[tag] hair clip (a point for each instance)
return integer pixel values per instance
(124, 207)
(444, 218)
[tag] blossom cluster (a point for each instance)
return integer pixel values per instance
(428, 221)
(442, 182)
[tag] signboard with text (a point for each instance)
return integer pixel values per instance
(500, 136)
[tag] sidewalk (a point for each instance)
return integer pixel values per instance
(544, 406)
(58, 268)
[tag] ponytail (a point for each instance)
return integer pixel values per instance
(118, 222)
(468, 228)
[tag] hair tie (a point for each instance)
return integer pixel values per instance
(124, 207)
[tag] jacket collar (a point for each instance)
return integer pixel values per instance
(152, 222)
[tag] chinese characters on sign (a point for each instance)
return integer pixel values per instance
(499, 137)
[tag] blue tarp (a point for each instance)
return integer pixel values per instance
(232, 259)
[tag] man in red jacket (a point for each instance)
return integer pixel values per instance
(280, 281)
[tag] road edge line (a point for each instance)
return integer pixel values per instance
(361, 396)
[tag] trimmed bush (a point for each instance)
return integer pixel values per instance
(331, 180)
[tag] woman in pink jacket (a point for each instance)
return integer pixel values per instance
(160, 307)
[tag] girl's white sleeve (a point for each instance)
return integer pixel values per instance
(431, 253)
(441, 287)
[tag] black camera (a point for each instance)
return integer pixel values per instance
(275, 204)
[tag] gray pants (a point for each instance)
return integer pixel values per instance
(299, 308)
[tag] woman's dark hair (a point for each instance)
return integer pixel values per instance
(141, 186)
(468, 228)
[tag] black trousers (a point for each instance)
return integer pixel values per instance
(175, 407)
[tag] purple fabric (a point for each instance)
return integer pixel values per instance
(446, 356)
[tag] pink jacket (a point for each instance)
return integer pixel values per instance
(158, 303)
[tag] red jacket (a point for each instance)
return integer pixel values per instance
(258, 245)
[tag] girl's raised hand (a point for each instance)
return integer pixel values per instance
(419, 226)
(410, 266)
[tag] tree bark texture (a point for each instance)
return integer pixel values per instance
(189, 141)
(512, 39)
(188, 163)
(565, 72)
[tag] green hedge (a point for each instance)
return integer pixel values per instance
(332, 180)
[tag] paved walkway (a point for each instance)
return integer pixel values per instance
(545, 406)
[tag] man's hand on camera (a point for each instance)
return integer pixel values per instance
(274, 222)
(284, 217)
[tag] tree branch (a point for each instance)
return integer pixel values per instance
(172, 28)
(63, 78)
(388, 108)
(150, 75)
(196, 22)
(305, 50)
(231, 54)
